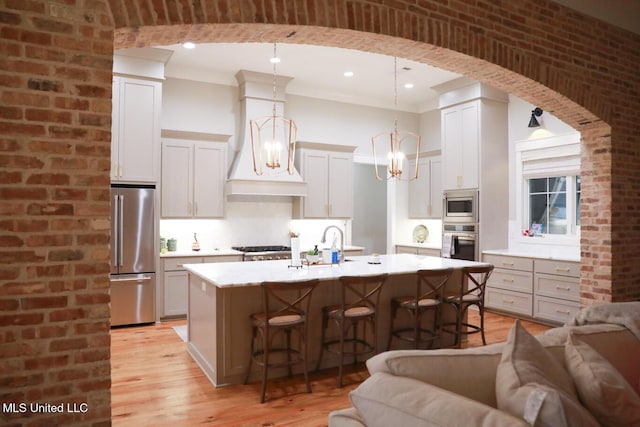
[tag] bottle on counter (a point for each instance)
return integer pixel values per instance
(334, 253)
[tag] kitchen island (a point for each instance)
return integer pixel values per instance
(222, 295)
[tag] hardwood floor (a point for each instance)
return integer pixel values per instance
(155, 382)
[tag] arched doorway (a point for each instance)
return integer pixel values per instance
(591, 127)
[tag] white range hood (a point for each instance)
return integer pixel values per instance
(256, 101)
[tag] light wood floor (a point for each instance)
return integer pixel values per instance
(156, 383)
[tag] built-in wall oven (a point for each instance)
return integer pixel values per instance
(460, 206)
(460, 241)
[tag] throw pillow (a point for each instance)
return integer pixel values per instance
(533, 385)
(602, 389)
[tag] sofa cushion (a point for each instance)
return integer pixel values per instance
(385, 400)
(470, 372)
(533, 385)
(615, 343)
(601, 388)
(347, 417)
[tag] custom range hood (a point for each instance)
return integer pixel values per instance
(256, 101)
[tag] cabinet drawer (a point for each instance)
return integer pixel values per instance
(429, 252)
(510, 262)
(562, 268)
(406, 249)
(222, 258)
(515, 302)
(554, 309)
(550, 285)
(512, 280)
(176, 264)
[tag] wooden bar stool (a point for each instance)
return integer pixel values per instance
(475, 280)
(359, 300)
(426, 299)
(284, 309)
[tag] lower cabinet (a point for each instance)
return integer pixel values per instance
(175, 282)
(544, 289)
(416, 250)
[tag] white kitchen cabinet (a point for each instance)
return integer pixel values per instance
(544, 289)
(416, 250)
(556, 290)
(175, 281)
(328, 172)
(193, 175)
(425, 192)
(461, 145)
(510, 286)
(135, 130)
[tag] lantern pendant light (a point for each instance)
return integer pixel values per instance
(396, 143)
(273, 138)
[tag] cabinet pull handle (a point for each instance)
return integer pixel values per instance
(508, 301)
(121, 168)
(179, 265)
(563, 288)
(508, 279)
(567, 312)
(507, 264)
(429, 210)
(563, 269)
(189, 208)
(195, 208)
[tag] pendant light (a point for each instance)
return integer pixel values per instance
(273, 138)
(396, 143)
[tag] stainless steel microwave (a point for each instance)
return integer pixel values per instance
(460, 206)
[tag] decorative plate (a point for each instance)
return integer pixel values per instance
(420, 234)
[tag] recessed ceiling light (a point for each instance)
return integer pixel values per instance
(274, 60)
(189, 45)
(408, 85)
(348, 73)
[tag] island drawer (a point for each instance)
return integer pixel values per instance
(553, 286)
(515, 302)
(554, 309)
(509, 262)
(562, 268)
(176, 264)
(512, 280)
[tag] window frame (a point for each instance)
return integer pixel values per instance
(554, 156)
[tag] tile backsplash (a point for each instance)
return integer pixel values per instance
(250, 221)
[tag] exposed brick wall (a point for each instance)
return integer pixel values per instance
(55, 88)
(55, 113)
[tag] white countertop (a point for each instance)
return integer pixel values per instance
(538, 253)
(201, 253)
(228, 274)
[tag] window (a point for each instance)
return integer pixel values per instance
(548, 188)
(554, 203)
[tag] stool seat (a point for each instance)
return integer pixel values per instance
(285, 307)
(471, 292)
(359, 298)
(427, 298)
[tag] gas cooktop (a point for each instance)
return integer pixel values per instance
(262, 248)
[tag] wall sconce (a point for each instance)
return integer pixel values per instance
(537, 112)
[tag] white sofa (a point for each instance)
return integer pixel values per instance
(451, 387)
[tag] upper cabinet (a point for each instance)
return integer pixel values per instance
(328, 172)
(460, 145)
(193, 175)
(425, 192)
(135, 132)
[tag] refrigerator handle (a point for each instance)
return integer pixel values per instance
(116, 231)
(120, 231)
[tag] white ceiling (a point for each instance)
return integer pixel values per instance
(317, 71)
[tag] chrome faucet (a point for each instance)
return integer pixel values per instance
(324, 239)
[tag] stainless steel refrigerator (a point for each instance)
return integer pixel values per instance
(133, 277)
